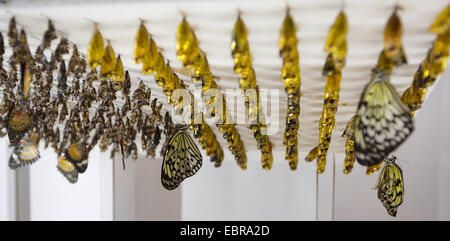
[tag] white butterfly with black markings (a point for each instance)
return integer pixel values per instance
(382, 123)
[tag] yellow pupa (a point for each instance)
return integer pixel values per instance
(108, 62)
(337, 33)
(141, 44)
(442, 23)
(118, 74)
(393, 33)
(95, 49)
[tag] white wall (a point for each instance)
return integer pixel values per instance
(52, 197)
(255, 194)
(7, 184)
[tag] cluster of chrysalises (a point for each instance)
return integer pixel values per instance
(376, 143)
(190, 54)
(129, 120)
(240, 51)
(433, 65)
(336, 46)
(290, 76)
(147, 53)
(34, 108)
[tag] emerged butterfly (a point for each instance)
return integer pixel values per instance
(19, 123)
(77, 155)
(24, 153)
(67, 169)
(390, 186)
(182, 159)
(382, 122)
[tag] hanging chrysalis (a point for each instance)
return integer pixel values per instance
(382, 121)
(108, 63)
(336, 46)
(13, 34)
(49, 35)
(433, 65)
(141, 44)
(187, 44)
(126, 84)
(240, 52)
(95, 49)
(349, 133)
(291, 79)
(337, 33)
(25, 80)
(442, 22)
(118, 74)
(189, 53)
(390, 186)
(393, 33)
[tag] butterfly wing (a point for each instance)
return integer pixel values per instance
(67, 169)
(77, 155)
(182, 159)
(14, 161)
(29, 153)
(383, 122)
(24, 153)
(19, 122)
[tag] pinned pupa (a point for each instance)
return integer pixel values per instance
(108, 62)
(288, 40)
(118, 74)
(187, 44)
(337, 33)
(126, 84)
(25, 80)
(142, 44)
(350, 157)
(442, 22)
(95, 49)
(393, 39)
(61, 50)
(13, 34)
(49, 35)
